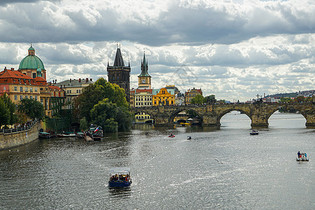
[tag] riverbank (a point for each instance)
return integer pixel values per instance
(18, 138)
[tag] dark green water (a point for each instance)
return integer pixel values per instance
(220, 169)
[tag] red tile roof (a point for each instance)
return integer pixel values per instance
(7, 73)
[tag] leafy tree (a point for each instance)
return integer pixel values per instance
(285, 100)
(4, 113)
(104, 104)
(198, 99)
(105, 112)
(32, 108)
(84, 124)
(11, 107)
(97, 92)
(299, 99)
(210, 99)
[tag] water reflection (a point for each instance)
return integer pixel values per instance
(122, 192)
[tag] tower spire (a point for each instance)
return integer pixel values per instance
(118, 59)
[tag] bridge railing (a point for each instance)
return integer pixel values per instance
(25, 127)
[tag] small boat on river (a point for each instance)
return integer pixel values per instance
(171, 135)
(119, 177)
(302, 157)
(254, 132)
(44, 135)
(188, 137)
(66, 134)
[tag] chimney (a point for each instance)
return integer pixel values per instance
(12, 69)
(70, 80)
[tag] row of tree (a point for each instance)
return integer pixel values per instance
(199, 99)
(11, 113)
(104, 104)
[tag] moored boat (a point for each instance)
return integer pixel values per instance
(119, 177)
(188, 137)
(95, 133)
(44, 135)
(171, 135)
(254, 132)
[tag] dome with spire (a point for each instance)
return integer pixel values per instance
(31, 61)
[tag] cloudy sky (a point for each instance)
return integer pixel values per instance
(234, 49)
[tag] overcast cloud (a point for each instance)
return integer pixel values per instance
(234, 49)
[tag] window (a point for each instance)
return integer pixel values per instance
(26, 97)
(35, 89)
(15, 88)
(34, 75)
(21, 98)
(31, 90)
(36, 98)
(15, 97)
(21, 89)
(31, 97)
(26, 89)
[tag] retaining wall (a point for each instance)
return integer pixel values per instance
(14, 139)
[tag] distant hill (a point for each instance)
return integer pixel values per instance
(306, 93)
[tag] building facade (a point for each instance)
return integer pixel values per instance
(120, 74)
(163, 97)
(192, 93)
(73, 88)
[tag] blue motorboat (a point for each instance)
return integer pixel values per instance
(119, 177)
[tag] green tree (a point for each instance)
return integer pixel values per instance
(285, 100)
(97, 92)
(32, 108)
(104, 104)
(11, 107)
(198, 99)
(4, 113)
(84, 124)
(210, 99)
(105, 112)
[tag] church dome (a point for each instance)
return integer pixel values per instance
(31, 61)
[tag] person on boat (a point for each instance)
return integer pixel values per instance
(305, 155)
(299, 154)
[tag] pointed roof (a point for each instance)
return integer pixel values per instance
(144, 67)
(118, 59)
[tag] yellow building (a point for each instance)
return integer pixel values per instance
(163, 97)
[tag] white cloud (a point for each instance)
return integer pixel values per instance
(233, 49)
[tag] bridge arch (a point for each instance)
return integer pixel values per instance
(186, 109)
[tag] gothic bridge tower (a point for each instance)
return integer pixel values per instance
(144, 79)
(120, 74)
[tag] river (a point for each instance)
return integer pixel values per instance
(216, 169)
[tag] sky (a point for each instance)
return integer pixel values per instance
(234, 49)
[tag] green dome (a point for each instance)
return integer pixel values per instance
(31, 61)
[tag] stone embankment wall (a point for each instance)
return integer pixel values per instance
(14, 139)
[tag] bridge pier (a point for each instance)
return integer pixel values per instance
(161, 120)
(259, 121)
(310, 120)
(210, 120)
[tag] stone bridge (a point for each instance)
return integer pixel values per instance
(212, 114)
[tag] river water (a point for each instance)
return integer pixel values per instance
(217, 169)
